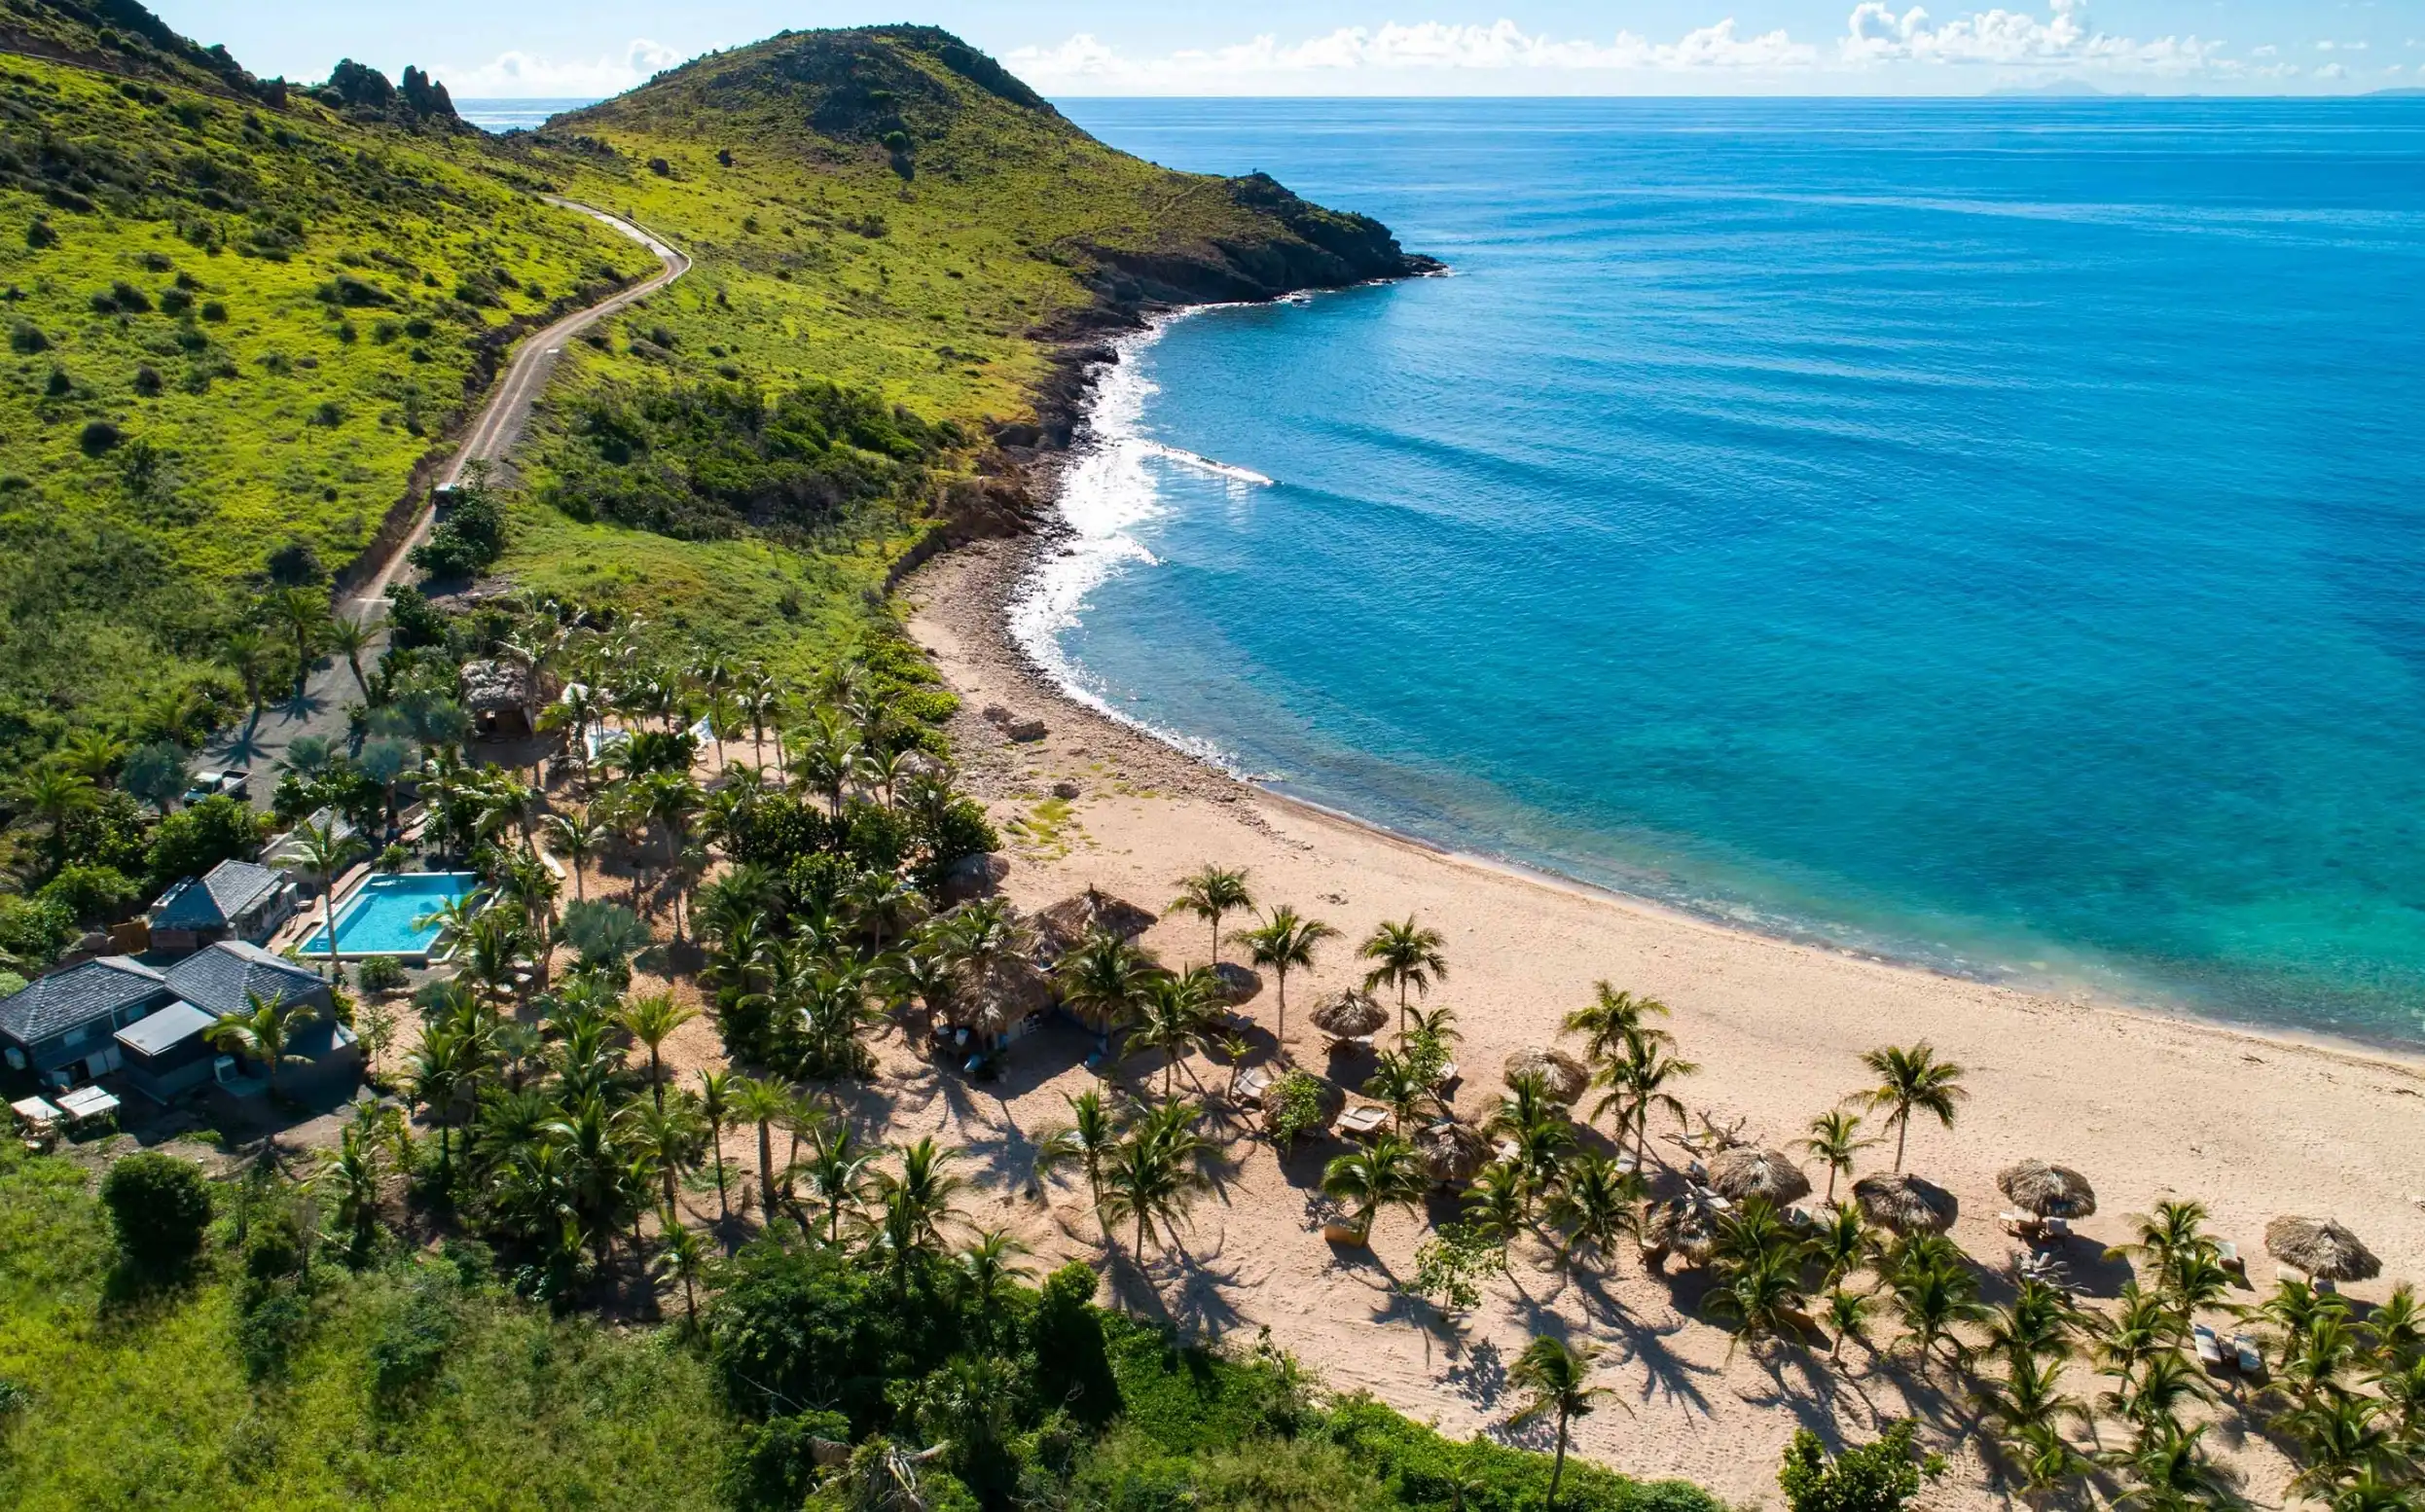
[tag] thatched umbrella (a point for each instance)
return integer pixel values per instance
(1686, 1225)
(1452, 1153)
(2322, 1248)
(2049, 1191)
(1238, 983)
(1351, 1015)
(992, 1001)
(1905, 1203)
(1562, 1076)
(1743, 1173)
(1062, 926)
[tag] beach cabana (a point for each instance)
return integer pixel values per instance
(2322, 1248)
(1062, 927)
(1351, 1017)
(1906, 1204)
(1452, 1154)
(1561, 1075)
(2047, 1191)
(1685, 1225)
(992, 1007)
(1771, 1175)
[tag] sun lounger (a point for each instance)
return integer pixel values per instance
(2250, 1360)
(1449, 1075)
(2020, 1225)
(87, 1104)
(1505, 1149)
(2057, 1229)
(2227, 1255)
(1253, 1084)
(2209, 1347)
(1360, 1121)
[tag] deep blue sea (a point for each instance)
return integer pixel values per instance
(1990, 534)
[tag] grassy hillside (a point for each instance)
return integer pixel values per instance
(229, 328)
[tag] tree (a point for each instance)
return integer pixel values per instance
(1614, 1020)
(325, 853)
(248, 656)
(1103, 981)
(837, 1172)
(262, 1032)
(304, 612)
(1595, 1203)
(160, 1208)
(1086, 1142)
(652, 1020)
(1210, 892)
(1834, 1140)
(158, 773)
(1405, 955)
(715, 1092)
(1912, 1081)
(1555, 1378)
(53, 795)
(576, 841)
(606, 936)
(1284, 941)
(912, 1205)
(1881, 1476)
(762, 1103)
(1178, 1017)
(684, 1257)
(1155, 1171)
(1385, 1174)
(349, 637)
(1637, 1085)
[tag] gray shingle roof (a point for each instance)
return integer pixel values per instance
(219, 898)
(218, 979)
(159, 1031)
(83, 994)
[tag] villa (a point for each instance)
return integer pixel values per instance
(122, 1016)
(235, 900)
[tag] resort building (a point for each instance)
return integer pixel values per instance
(61, 1027)
(503, 697)
(235, 900)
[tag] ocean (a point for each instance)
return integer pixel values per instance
(516, 115)
(1980, 533)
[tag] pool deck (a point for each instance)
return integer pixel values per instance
(296, 931)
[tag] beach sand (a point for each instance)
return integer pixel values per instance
(2148, 1106)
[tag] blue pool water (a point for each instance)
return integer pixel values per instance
(1989, 533)
(378, 919)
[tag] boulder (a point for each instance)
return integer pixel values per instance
(995, 714)
(1065, 788)
(1025, 731)
(974, 875)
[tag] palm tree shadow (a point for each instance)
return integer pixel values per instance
(1202, 1306)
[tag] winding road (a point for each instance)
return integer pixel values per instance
(320, 708)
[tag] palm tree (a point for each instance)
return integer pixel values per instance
(1401, 1085)
(1086, 1140)
(1834, 1140)
(667, 1138)
(1284, 941)
(1637, 1085)
(763, 1103)
(353, 1173)
(1555, 1377)
(1385, 1174)
(93, 754)
(1614, 1020)
(55, 795)
(1539, 1129)
(2169, 1472)
(1104, 980)
(349, 637)
(1407, 954)
(716, 1105)
(1911, 1081)
(304, 611)
(652, 1020)
(262, 1032)
(1179, 1017)
(247, 655)
(1936, 1290)
(988, 1272)
(1154, 1173)
(576, 841)
(913, 1205)
(1596, 1204)
(1210, 892)
(683, 1256)
(837, 1172)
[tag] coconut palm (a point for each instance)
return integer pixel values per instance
(1405, 955)
(716, 1105)
(1385, 1174)
(1912, 1081)
(1177, 1015)
(987, 1273)
(1104, 980)
(2169, 1472)
(1612, 1021)
(912, 1206)
(1848, 1315)
(354, 1175)
(1154, 1173)
(667, 1139)
(1086, 1140)
(1596, 1204)
(576, 841)
(1498, 1205)
(651, 1021)
(1934, 1292)
(2342, 1438)
(1210, 892)
(1555, 1378)
(1402, 1085)
(1834, 1140)
(349, 637)
(325, 853)
(683, 1255)
(1281, 943)
(762, 1103)
(262, 1032)
(1637, 1085)
(1542, 1133)
(304, 614)
(836, 1172)
(1843, 1244)
(2038, 1322)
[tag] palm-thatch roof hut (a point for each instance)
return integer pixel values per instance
(2049, 1191)
(1061, 927)
(1561, 1075)
(1685, 1225)
(1238, 983)
(1351, 1015)
(2322, 1248)
(992, 1002)
(1906, 1204)
(1452, 1154)
(1741, 1174)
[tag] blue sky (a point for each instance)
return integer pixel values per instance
(564, 48)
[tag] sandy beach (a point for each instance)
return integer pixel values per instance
(2148, 1106)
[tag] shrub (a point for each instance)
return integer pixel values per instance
(146, 381)
(97, 437)
(1296, 1108)
(1882, 1476)
(35, 931)
(193, 841)
(380, 974)
(25, 338)
(159, 1206)
(412, 1343)
(93, 894)
(772, 1465)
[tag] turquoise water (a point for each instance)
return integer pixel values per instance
(1982, 533)
(378, 919)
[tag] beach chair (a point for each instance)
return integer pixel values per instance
(1253, 1084)
(1505, 1149)
(2209, 1347)
(1360, 1122)
(2227, 1255)
(1449, 1076)
(2020, 1225)
(2250, 1360)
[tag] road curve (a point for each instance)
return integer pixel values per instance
(500, 421)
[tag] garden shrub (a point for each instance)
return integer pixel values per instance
(160, 1208)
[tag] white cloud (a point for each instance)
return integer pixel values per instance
(2332, 71)
(526, 75)
(2268, 51)
(1400, 50)
(2065, 37)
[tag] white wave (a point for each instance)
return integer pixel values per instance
(1205, 464)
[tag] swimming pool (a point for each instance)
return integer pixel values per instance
(377, 918)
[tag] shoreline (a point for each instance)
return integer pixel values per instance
(999, 587)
